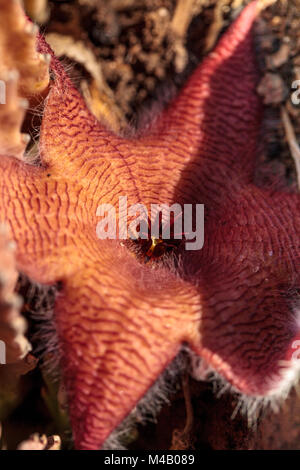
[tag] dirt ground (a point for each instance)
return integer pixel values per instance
(129, 54)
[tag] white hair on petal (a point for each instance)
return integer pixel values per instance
(254, 406)
(150, 405)
(40, 299)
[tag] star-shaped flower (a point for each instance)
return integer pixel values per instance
(121, 321)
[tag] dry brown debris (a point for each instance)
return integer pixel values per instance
(36, 442)
(38, 10)
(23, 73)
(18, 49)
